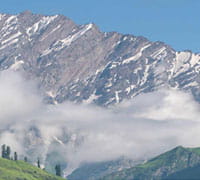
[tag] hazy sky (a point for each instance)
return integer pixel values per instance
(175, 22)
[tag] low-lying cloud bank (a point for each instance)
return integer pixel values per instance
(138, 129)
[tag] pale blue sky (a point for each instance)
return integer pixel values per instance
(176, 22)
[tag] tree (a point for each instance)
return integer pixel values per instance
(15, 156)
(58, 170)
(38, 163)
(25, 159)
(3, 152)
(8, 151)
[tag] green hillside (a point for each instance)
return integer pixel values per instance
(164, 166)
(191, 173)
(20, 170)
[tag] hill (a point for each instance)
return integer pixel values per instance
(175, 164)
(19, 170)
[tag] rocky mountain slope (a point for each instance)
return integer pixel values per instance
(94, 171)
(82, 64)
(170, 165)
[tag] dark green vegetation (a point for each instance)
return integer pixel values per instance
(191, 173)
(179, 163)
(20, 170)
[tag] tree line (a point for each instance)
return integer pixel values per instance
(6, 154)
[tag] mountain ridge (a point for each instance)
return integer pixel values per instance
(80, 63)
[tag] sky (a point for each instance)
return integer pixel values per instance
(175, 22)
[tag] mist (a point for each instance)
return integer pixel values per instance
(141, 128)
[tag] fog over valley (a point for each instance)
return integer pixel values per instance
(137, 129)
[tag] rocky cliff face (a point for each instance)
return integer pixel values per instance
(82, 64)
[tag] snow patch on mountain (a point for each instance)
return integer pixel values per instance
(137, 55)
(41, 24)
(60, 44)
(16, 65)
(14, 36)
(2, 16)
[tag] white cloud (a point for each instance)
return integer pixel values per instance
(141, 128)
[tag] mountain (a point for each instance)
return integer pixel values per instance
(80, 63)
(19, 170)
(94, 171)
(175, 164)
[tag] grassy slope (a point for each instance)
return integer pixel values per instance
(195, 150)
(143, 171)
(19, 170)
(191, 173)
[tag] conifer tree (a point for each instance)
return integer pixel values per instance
(25, 159)
(58, 170)
(8, 151)
(38, 163)
(15, 156)
(3, 152)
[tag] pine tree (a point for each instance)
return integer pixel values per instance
(25, 159)
(15, 156)
(58, 170)
(3, 152)
(38, 163)
(8, 151)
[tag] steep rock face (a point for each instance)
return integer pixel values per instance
(52, 48)
(81, 64)
(145, 69)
